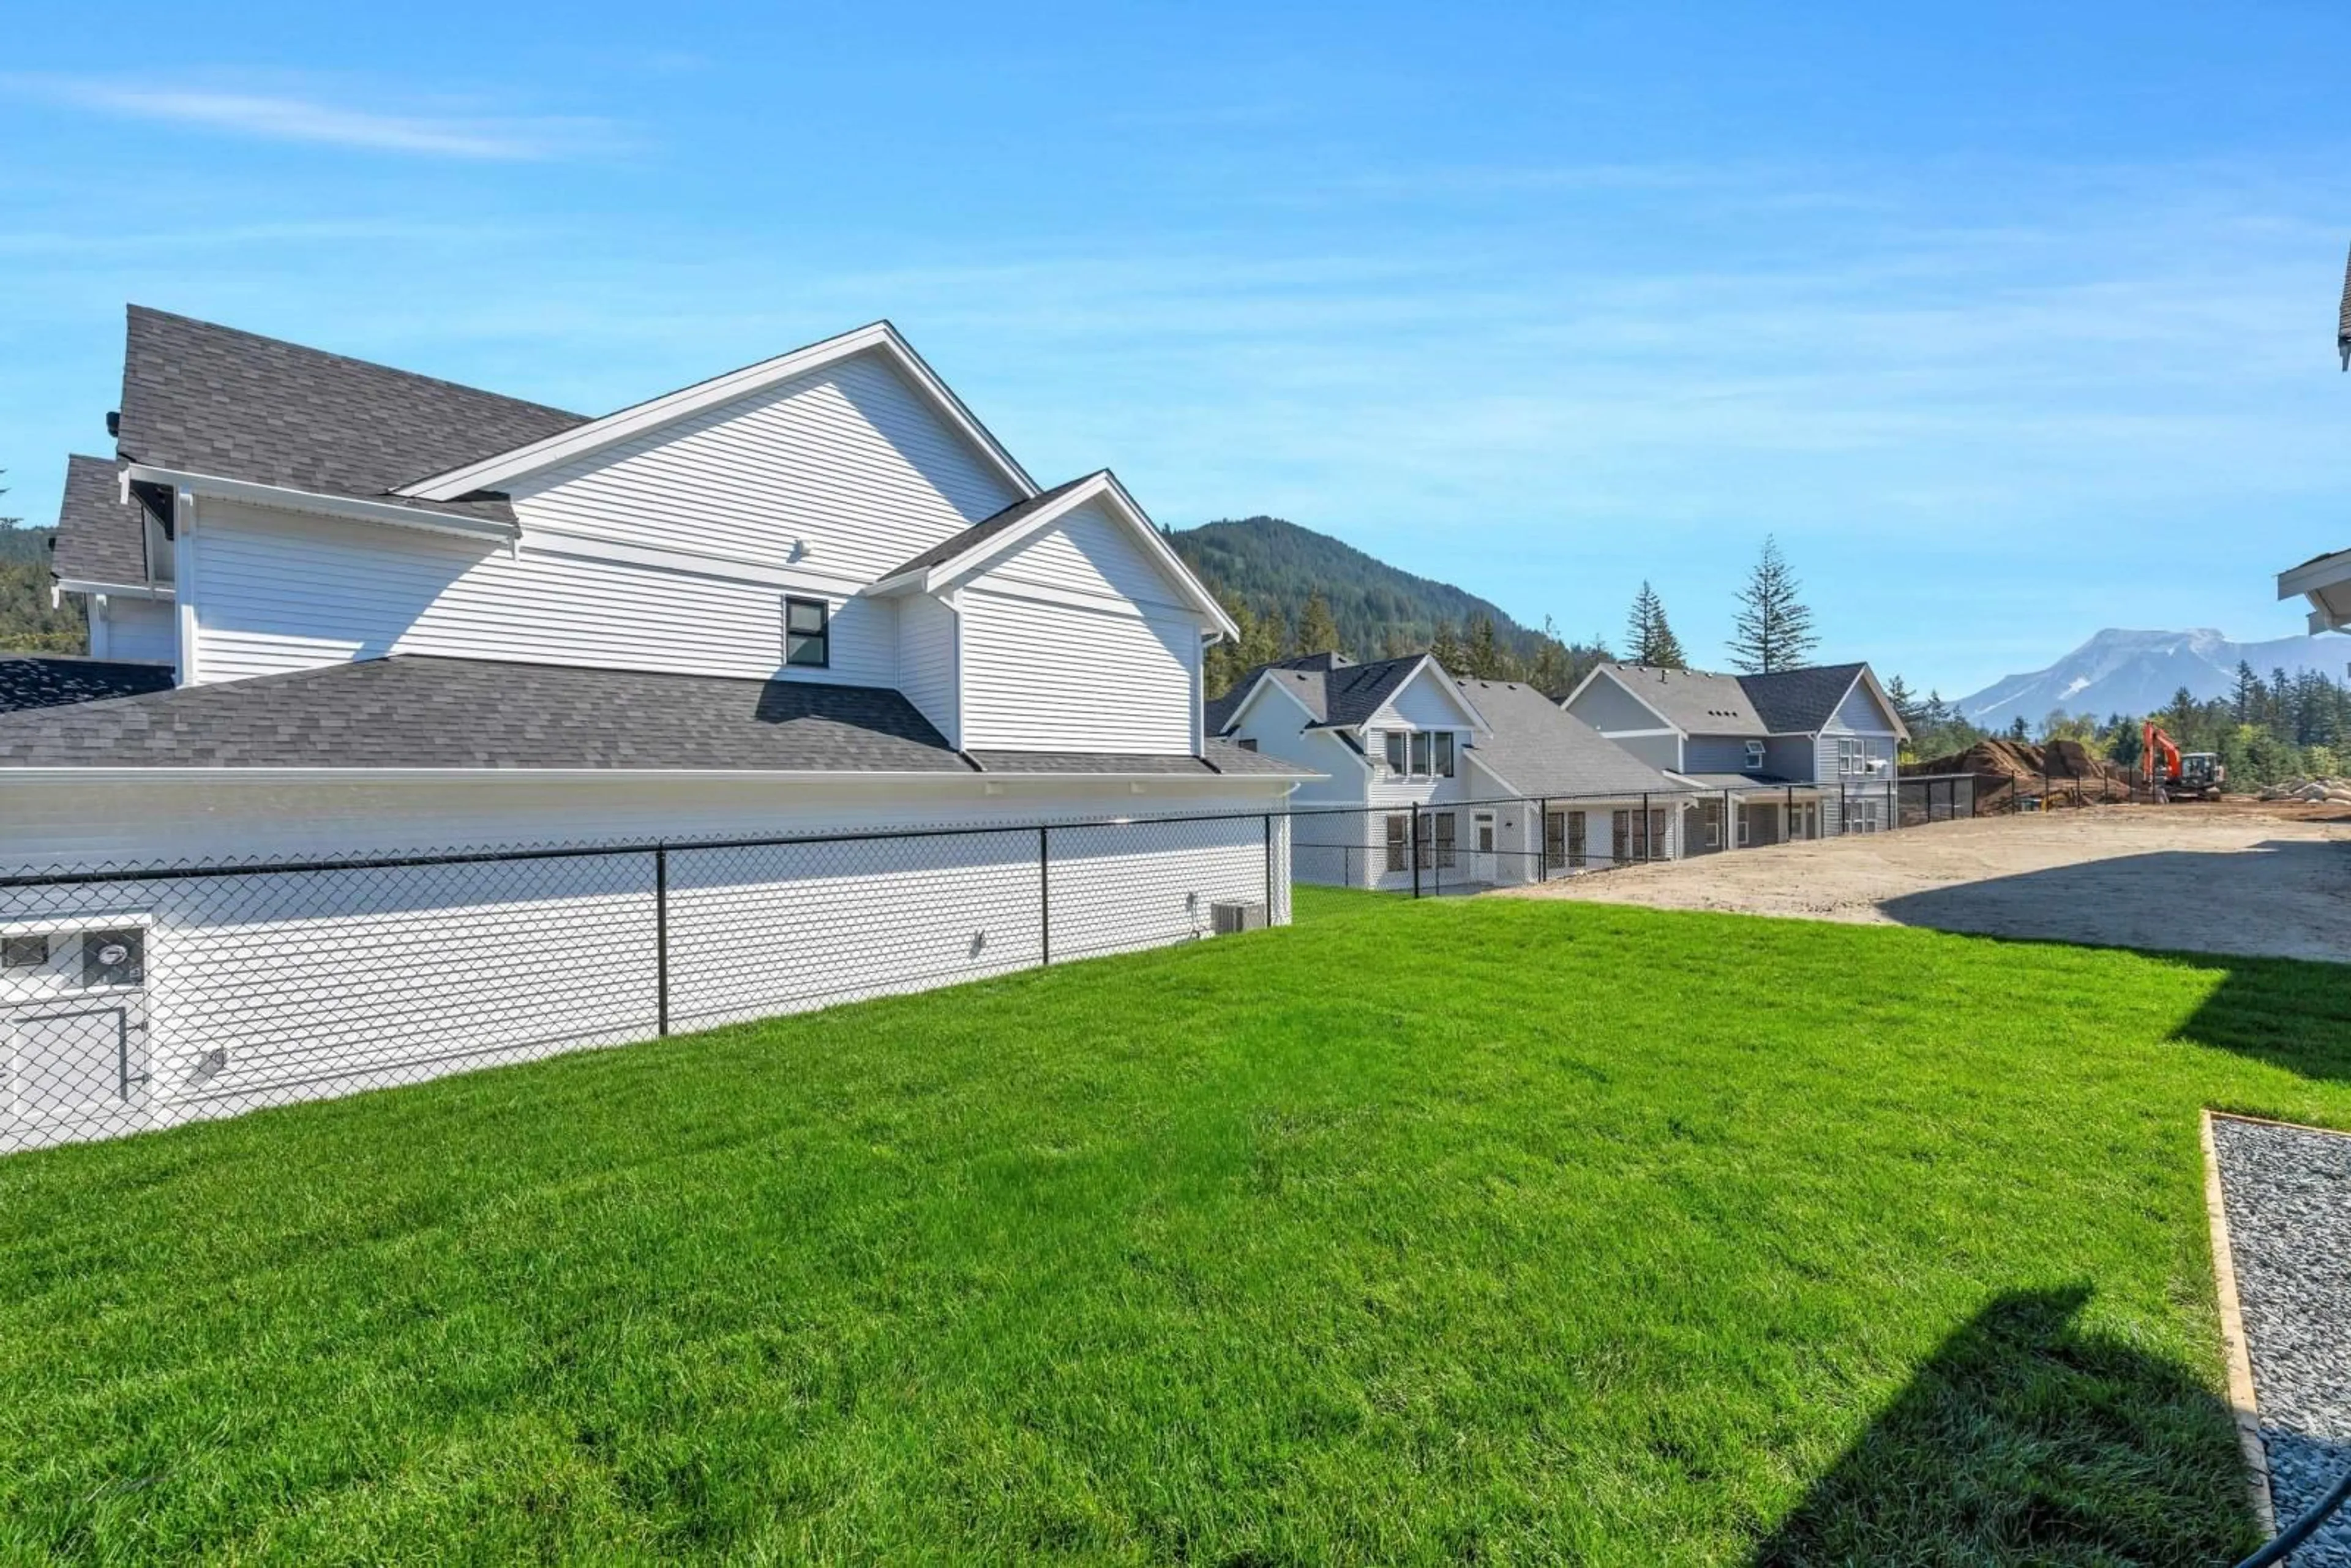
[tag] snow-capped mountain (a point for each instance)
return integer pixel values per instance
(2137, 672)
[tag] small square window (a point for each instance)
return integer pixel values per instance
(1755, 756)
(24, 952)
(807, 632)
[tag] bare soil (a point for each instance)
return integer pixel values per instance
(2237, 876)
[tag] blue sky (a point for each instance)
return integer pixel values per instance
(2011, 324)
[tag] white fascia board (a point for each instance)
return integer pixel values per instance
(118, 589)
(279, 497)
(1386, 710)
(1869, 678)
(651, 414)
(2312, 575)
(954, 571)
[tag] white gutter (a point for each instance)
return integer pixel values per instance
(283, 498)
(117, 590)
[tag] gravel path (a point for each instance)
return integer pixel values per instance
(2287, 1193)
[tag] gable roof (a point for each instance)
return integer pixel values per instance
(101, 537)
(205, 399)
(1785, 702)
(1538, 747)
(1339, 693)
(417, 711)
(54, 680)
(1801, 702)
(498, 466)
(1004, 532)
(1696, 702)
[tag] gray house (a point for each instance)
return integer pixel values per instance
(1794, 754)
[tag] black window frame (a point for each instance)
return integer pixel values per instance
(1246, 743)
(1420, 749)
(1396, 742)
(1399, 841)
(796, 642)
(1442, 758)
(1446, 830)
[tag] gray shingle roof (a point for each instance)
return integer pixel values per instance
(1338, 692)
(2342, 325)
(1537, 747)
(416, 711)
(101, 537)
(47, 680)
(1698, 702)
(211, 400)
(1801, 702)
(1787, 702)
(987, 527)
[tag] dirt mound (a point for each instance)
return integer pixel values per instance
(2006, 770)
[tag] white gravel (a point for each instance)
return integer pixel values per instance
(2287, 1192)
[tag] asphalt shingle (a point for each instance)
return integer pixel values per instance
(44, 680)
(987, 527)
(101, 537)
(1537, 747)
(211, 399)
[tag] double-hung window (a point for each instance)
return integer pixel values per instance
(1395, 739)
(808, 633)
(1445, 754)
(1420, 754)
(1399, 839)
(1443, 823)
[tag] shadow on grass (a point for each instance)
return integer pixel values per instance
(2026, 1440)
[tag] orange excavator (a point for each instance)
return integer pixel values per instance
(2170, 775)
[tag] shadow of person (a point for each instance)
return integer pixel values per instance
(2025, 1439)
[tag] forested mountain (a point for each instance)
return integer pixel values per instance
(1270, 574)
(27, 624)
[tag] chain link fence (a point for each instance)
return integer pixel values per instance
(143, 996)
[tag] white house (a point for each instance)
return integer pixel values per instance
(810, 596)
(1473, 760)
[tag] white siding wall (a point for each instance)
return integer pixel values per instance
(141, 630)
(929, 663)
(281, 592)
(264, 988)
(849, 461)
(1048, 675)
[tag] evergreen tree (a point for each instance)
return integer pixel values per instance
(2017, 729)
(2248, 695)
(1906, 705)
(1487, 659)
(1650, 640)
(1317, 630)
(1446, 649)
(1774, 629)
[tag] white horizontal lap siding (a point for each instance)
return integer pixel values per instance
(849, 459)
(142, 631)
(286, 592)
(928, 663)
(791, 927)
(1145, 885)
(1045, 675)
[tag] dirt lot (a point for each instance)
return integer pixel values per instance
(2232, 878)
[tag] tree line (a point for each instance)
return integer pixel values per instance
(1773, 631)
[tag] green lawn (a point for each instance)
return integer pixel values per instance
(1459, 1231)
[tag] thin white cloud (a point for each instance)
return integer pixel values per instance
(280, 117)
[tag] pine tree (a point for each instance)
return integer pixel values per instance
(2017, 729)
(1652, 641)
(1775, 630)
(1487, 659)
(1446, 648)
(1318, 630)
(1906, 707)
(2248, 695)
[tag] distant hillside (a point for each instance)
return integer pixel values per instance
(1267, 562)
(2137, 673)
(27, 624)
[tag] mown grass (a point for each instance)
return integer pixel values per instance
(1463, 1231)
